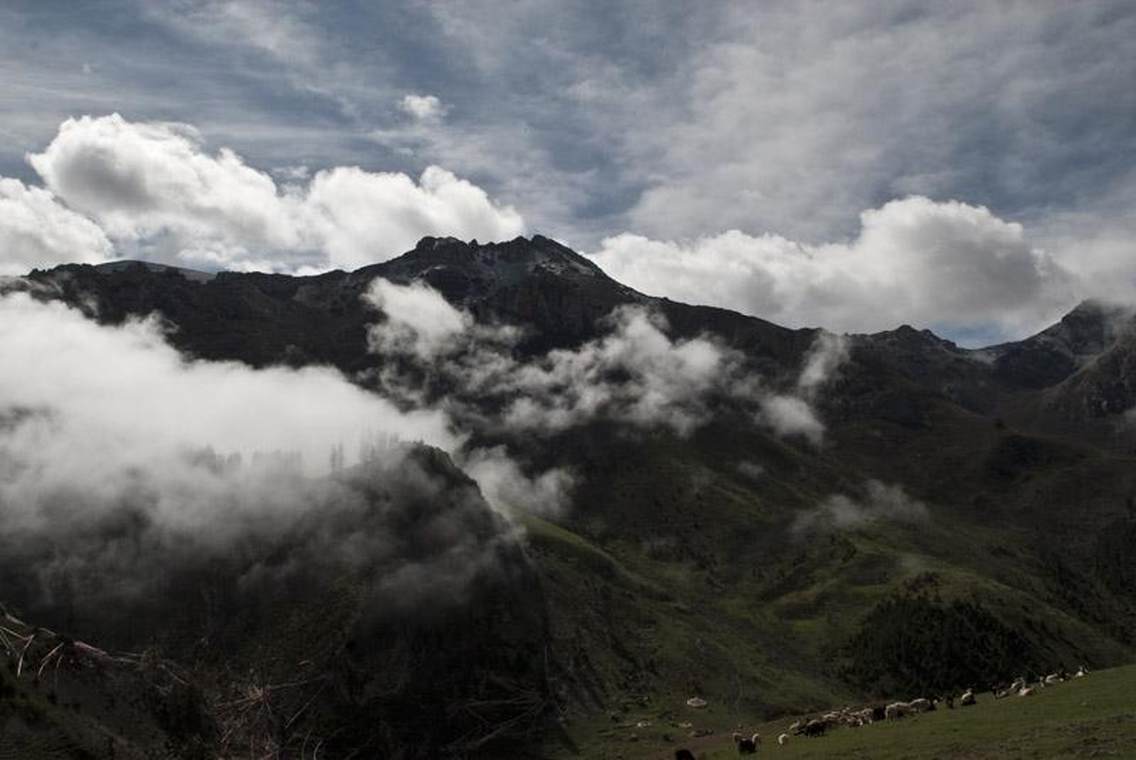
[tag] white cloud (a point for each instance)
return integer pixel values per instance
(511, 491)
(140, 180)
(662, 381)
(915, 260)
(825, 357)
(122, 396)
(422, 107)
(634, 373)
(123, 464)
(287, 35)
(882, 502)
(37, 231)
(795, 117)
(791, 416)
(153, 186)
(362, 217)
(418, 320)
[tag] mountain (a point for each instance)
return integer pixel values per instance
(262, 319)
(1059, 351)
(292, 633)
(190, 274)
(971, 508)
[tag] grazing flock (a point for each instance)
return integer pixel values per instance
(847, 716)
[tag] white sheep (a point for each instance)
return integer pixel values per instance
(782, 740)
(967, 699)
(897, 710)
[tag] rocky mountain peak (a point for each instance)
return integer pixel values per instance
(1091, 327)
(455, 266)
(1062, 349)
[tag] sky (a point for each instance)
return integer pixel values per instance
(969, 167)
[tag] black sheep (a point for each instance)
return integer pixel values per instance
(747, 746)
(814, 728)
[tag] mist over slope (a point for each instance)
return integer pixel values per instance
(248, 472)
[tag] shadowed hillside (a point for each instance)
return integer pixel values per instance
(966, 507)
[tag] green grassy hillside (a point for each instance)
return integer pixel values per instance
(683, 576)
(1087, 717)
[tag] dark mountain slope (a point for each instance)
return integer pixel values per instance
(560, 297)
(686, 564)
(361, 625)
(1057, 352)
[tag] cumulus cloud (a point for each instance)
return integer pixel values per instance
(509, 489)
(419, 319)
(37, 231)
(823, 360)
(154, 189)
(422, 107)
(635, 372)
(361, 217)
(121, 396)
(881, 502)
(142, 179)
(124, 464)
(792, 416)
(948, 265)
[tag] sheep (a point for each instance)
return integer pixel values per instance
(793, 728)
(1081, 672)
(813, 728)
(897, 710)
(967, 699)
(684, 754)
(1053, 679)
(921, 705)
(879, 712)
(782, 740)
(747, 746)
(1026, 691)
